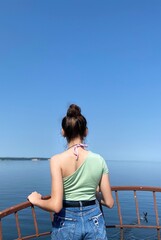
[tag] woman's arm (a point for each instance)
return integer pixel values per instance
(55, 202)
(104, 193)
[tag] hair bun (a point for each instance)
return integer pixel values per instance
(73, 111)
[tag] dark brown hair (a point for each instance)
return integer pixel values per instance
(74, 123)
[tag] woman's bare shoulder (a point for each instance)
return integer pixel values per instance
(59, 156)
(55, 161)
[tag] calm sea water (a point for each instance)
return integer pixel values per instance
(18, 178)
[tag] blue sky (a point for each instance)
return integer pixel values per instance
(104, 56)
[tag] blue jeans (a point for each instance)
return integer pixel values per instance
(79, 223)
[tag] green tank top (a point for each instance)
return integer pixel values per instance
(82, 184)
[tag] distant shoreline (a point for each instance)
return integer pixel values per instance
(24, 158)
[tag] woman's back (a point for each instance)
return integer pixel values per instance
(81, 175)
(68, 162)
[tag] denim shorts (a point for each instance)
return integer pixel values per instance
(79, 223)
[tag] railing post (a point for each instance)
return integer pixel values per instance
(137, 207)
(0, 229)
(156, 214)
(118, 208)
(35, 221)
(18, 225)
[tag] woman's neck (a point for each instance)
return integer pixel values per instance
(74, 142)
